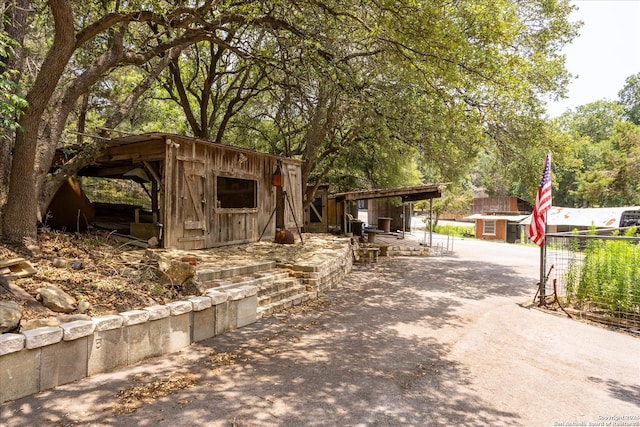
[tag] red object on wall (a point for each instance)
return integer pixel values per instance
(278, 177)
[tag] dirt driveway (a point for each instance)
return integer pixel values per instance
(437, 341)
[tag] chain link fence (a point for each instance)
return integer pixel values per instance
(595, 276)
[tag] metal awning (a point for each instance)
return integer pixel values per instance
(408, 194)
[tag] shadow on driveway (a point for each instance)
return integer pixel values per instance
(374, 352)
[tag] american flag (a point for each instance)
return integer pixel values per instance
(542, 205)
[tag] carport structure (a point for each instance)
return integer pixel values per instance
(407, 194)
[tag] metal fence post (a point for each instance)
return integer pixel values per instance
(543, 280)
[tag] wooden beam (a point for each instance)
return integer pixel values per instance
(412, 194)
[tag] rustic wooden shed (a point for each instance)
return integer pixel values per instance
(202, 194)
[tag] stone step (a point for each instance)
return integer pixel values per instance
(276, 285)
(255, 279)
(274, 307)
(279, 294)
(205, 274)
(276, 288)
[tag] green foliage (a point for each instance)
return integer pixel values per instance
(12, 104)
(629, 98)
(457, 198)
(599, 166)
(116, 191)
(454, 230)
(605, 276)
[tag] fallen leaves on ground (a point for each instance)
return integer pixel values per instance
(130, 399)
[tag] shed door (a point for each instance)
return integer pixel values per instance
(293, 212)
(192, 207)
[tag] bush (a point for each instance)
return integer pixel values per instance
(607, 277)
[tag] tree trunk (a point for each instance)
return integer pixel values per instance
(14, 25)
(21, 211)
(92, 151)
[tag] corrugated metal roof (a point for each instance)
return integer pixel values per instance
(418, 192)
(162, 136)
(585, 217)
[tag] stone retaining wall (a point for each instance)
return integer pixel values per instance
(43, 358)
(324, 271)
(406, 250)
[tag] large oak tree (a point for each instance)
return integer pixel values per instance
(302, 78)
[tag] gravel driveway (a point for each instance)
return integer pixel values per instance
(435, 341)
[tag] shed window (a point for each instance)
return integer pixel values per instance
(489, 227)
(236, 193)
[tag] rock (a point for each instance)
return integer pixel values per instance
(153, 242)
(151, 256)
(83, 306)
(52, 321)
(192, 286)
(33, 248)
(10, 316)
(66, 318)
(39, 323)
(77, 265)
(4, 284)
(175, 272)
(123, 306)
(60, 262)
(55, 299)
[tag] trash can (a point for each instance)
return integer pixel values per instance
(384, 224)
(356, 227)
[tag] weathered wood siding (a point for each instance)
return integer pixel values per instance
(293, 185)
(196, 216)
(316, 215)
(389, 208)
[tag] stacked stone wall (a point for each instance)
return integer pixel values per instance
(325, 272)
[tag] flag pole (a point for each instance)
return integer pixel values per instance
(538, 226)
(543, 258)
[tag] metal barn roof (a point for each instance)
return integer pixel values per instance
(585, 217)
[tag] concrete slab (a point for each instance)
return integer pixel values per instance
(204, 324)
(41, 337)
(63, 363)
(10, 343)
(179, 335)
(247, 309)
(105, 323)
(146, 340)
(77, 329)
(17, 377)
(158, 312)
(107, 350)
(222, 317)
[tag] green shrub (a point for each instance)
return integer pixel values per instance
(607, 277)
(454, 230)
